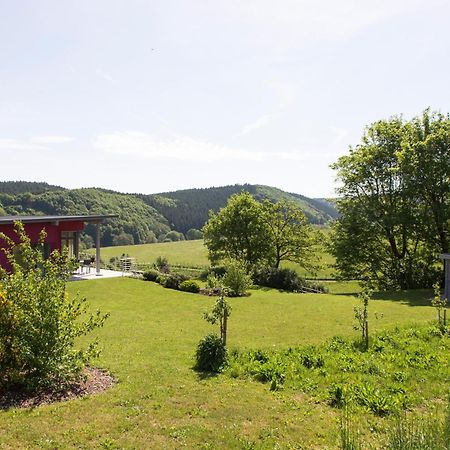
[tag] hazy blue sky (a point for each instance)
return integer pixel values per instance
(151, 96)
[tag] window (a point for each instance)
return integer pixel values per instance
(69, 241)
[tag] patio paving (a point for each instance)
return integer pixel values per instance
(104, 273)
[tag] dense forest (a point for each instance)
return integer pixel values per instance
(190, 208)
(142, 218)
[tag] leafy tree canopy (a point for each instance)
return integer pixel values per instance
(394, 202)
(259, 233)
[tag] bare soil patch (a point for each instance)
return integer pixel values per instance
(93, 381)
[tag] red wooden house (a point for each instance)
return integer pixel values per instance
(62, 232)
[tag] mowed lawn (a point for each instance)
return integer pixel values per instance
(160, 402)
(183, 253)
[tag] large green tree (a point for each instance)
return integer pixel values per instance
(394, 203)
(237, 231)
(291, 236)
(426, 161)
(259, 233)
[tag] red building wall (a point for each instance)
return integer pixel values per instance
(33, 230)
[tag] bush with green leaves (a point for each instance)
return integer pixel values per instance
(151, 275)
(39, 323)
(285, 279)
(211, 354)
(236, 280)
(173, 280)
(190, 286)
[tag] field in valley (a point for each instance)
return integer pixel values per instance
(195, 254)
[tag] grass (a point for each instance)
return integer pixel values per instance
(183, 253)
(160, 402)
(195, 254)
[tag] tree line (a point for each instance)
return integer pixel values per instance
(142, 218)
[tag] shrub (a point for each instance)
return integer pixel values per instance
(39, 323)
(211, 354)
(173, 280)
(286, 279)
(193, 234)
(174, 236)
(162, 264)
(236, 280)
(151, 275)
(161, 279)
(189, 286)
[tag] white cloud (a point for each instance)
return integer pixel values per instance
(184, 148)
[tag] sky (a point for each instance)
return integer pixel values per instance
(154, 96)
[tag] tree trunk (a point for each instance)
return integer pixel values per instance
(224, 327)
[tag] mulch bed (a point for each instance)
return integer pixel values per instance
(93, 382)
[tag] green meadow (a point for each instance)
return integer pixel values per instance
(195, 254)
(160, 402)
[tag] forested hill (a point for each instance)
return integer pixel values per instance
(137, 223)
(142, 218)
(21, 187)
(189, 208)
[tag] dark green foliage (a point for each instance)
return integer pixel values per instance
(22, 187)
(123, 239)
(172, 236)
(193, 234)
(285, 279)
(190, 286)
(190, 208)
(211, 354)
(173, 280)
(151, 275)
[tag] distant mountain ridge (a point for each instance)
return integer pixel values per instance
(143, 218)
(189, 208)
